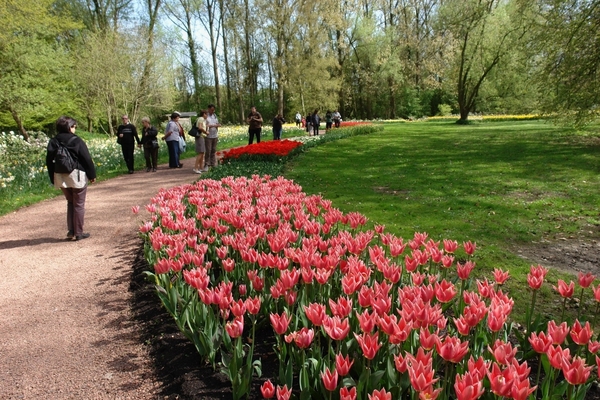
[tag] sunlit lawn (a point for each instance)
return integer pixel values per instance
(500, 184)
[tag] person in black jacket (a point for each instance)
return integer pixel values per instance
(73, 184)
(150, 143)
(316, 121)
(278, 122)
(126, 134)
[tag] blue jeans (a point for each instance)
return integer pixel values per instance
(173, 146)
(277, 133)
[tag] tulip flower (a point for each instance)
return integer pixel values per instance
(451, 349)
(556, 356)
(500, 276)
(343, 364)
(336, 328)
(235, 328)
(540, 343)
(503, 352)
(576, 372)
(369, 344)
(444, 291)
(329, 379)
(581, 335)
(566, 291)
(267, 389)
(585, 280)
(280, 322)
(468, 387)
(380, 395)
(558, 333)
(469, 247)
(450, 246)
(501, 381)
(348, 394)
(283, 393)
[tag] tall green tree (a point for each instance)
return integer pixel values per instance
(569, 58)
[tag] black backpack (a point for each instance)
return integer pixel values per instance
(64, 161)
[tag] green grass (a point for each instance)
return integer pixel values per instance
(499, 184)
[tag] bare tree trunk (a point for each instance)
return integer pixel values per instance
(214, 38)
(225, 59)
(148, 63)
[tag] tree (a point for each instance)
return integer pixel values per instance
(34, 68)
(483, 31)
(569, 58)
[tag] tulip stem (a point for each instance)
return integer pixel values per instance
(580, 304)
(539, 371)
(530, 312)
(562, 316)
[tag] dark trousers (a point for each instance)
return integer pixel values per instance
(151, 156)
(277, 133)
(252, 132)
(173, 146)
(316, 129)
(210, 155)
(127, 149)
(75, 209)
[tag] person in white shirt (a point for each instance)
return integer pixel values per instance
(298, 119)
(212, 122)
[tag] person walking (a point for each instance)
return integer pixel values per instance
(126, 135)
(172, 134)
(316, 121)
(298, 119)
(255, 122)
(199, 141)
(308, 124)
(73, 184)
(328, 121)
(337, 118)
(212, 122)
(278, 122)
(150, 144)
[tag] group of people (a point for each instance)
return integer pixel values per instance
(312, 122)
(174, 137)
(255, 123)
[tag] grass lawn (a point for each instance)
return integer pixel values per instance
(499, 184)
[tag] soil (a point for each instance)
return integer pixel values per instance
(80, 321)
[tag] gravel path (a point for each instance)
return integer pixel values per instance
(67, 330)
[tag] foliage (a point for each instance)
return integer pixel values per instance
(263, 150)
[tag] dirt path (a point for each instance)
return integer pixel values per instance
(67, 331)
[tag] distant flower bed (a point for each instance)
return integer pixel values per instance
(278, 148)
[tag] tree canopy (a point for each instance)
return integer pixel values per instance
(371, 59)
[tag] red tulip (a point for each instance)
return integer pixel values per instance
(283, 393)
(369, 343)
(452, 349)
(596, 292)
(235, 328)
(427, 339)
(581, 335)
(348, 394)
(315, 312)
(267, 389)
(468, 387)
(500, 276)
(342, 308)
(445, 291)
(464, 270)
(304, 338)
(400, 363)
(521, 389)
(501, 381)
(576, 372)
(503, 352)
(336, 328)
(585, 280)
(253, 305)
(238, 308)
(330, 379)
(380, 395)
(556, 355)
(558, 333)
(280, 323)
(477, 368)
(420, 371)
(469, 247)
(540, 343)
(593, 346)
(565, 290)
(343, 364)
(450, 246)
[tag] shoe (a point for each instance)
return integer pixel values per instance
(131, 171)
(153, 169)
(197, 171)
(82, 236)
(70, 235)
(205, 169)
(147, 169)
(180, 166)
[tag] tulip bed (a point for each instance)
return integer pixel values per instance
(357, 313)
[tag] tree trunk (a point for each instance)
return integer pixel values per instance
(19, 123)
(210, 7)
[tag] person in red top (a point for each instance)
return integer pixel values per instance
(255, 121)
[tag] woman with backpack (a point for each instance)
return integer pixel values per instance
(70, 168)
